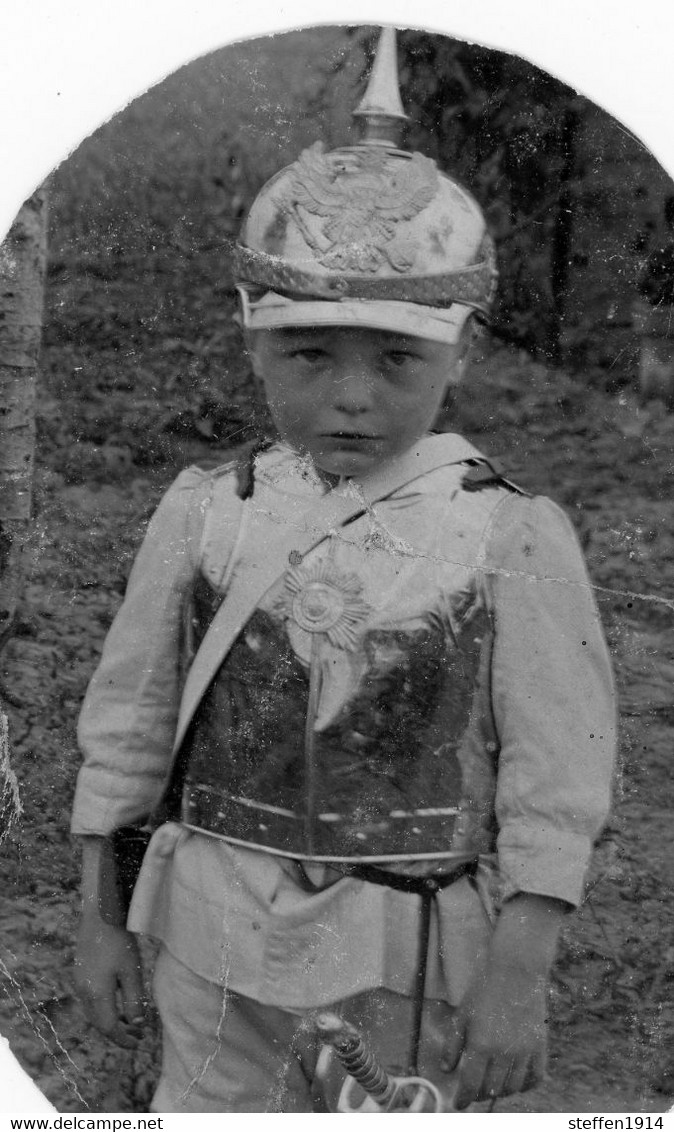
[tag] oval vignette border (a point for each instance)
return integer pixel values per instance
(104, 57)
(626, 46)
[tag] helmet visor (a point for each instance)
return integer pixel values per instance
(273, 311)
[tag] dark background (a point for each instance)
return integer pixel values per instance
(142, 372)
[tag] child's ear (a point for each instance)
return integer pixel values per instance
(249, 343)
(462, 351)
(458, 365)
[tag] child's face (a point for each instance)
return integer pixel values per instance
(352, 397)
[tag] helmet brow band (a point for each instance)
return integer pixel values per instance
(474, 286)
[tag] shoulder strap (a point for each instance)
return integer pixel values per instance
(487, 471)
(270, 538)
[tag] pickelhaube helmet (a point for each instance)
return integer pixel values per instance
(367, 234)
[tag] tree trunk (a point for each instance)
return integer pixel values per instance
(22, 272)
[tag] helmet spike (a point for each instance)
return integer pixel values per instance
(381, 107)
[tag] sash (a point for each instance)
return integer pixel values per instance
(269, 538)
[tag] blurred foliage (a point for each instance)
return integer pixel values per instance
(573, 200)
(143, 373)
(140, 291)
(608, 462)
(508, 131)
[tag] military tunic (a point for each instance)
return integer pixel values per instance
(426, 686)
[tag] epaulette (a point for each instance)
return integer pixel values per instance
(244, 466)
(487, 471)
(242, 463)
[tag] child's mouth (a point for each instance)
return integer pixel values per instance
(350, 436)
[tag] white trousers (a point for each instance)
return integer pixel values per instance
(223, 1052)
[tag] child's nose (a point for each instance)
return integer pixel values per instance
(353, 393)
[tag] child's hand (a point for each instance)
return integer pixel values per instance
(499, 1041)
(107, 961)
(499, 1037)
(108, 979)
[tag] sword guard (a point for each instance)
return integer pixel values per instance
(367, 1086)
(410, 1094)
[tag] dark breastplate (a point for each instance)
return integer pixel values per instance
(382, 780)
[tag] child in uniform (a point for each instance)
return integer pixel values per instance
(358, 680)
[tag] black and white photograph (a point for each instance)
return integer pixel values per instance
(337, 594)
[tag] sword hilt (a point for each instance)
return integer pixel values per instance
(358, 1061)
(362, 1066)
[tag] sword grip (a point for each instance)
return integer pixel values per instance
(356, 1059)
(385, 1092)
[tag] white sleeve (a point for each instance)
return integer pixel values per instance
(552, 699)
(128, 719)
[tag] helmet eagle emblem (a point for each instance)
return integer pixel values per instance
(362, 196)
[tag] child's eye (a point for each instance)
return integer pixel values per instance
(310, 354)
(399, 358)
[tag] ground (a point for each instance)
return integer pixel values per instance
(142, 374)
(600, 455)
